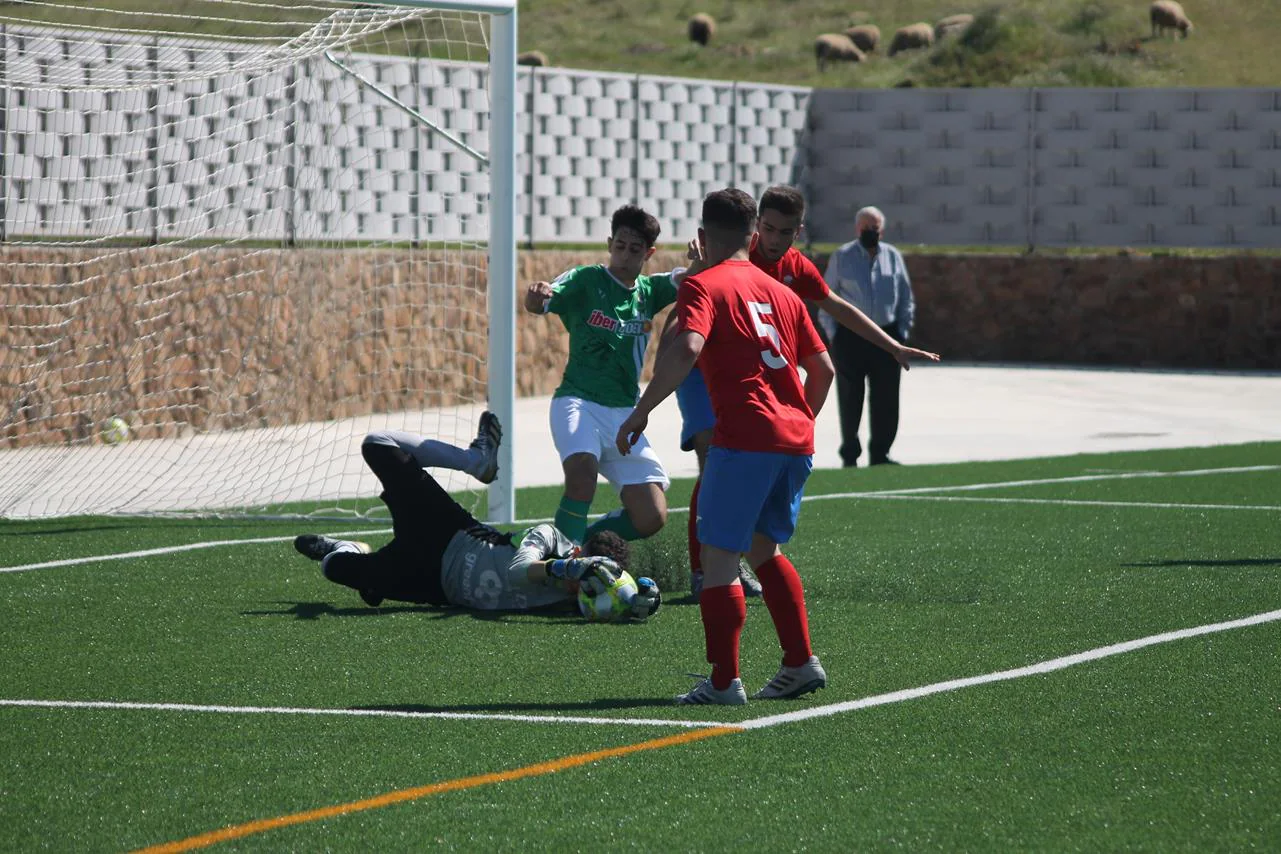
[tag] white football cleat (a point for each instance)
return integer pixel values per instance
(705, 694)
(792, 682)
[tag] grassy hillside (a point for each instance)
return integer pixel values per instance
(1015, 42)
(1026, 42)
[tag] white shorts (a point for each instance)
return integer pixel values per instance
(582, 427)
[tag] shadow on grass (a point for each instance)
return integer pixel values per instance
(316, 610)
(1244, 561)
(600, 704)
(554, 614)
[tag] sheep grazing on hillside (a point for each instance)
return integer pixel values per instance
(912, 37)
(952, 25)
(835, 47)
(1168, 15)
(532, 57)
(701, 28)
(865, 37)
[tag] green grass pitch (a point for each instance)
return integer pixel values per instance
(911, 581)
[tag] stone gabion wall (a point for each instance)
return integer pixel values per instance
(181, 340)
(1125, 311)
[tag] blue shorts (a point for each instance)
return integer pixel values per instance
(696, 408)
(750, 492)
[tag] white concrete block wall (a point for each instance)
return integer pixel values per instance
(308, 153)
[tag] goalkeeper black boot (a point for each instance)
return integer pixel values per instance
(318, 546)
(488, 437)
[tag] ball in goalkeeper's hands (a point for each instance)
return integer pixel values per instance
(619, 600)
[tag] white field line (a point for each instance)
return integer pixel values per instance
(351, 713)
(883, 493)
(1038, 669)
(188, 547)
(1081, 501)
(1129, 475)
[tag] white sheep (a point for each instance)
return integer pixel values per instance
(1168, 15)
(865, 37)
(701, 28)
(835, 47)
(912, 37)
(952, 25)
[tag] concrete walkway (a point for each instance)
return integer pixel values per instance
(951, 413)
(957, 413)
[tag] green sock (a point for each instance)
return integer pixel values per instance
(618, 522)
(571, 518)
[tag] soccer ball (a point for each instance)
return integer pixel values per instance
(114, 431)
(612, 606)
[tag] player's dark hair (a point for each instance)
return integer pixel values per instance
(610, 545)
(638, 220)
(729, 210)
(786, 200)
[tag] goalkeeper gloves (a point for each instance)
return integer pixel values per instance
(594, 574)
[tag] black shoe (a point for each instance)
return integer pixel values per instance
(488, 437)
(884, 461)
(317, 546)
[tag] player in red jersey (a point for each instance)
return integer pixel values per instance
(754, 333)
(781, 211)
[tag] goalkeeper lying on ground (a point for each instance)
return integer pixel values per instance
(441, 555)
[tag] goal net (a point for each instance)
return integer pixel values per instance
(234, 238)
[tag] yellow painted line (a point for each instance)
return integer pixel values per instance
(239, 831)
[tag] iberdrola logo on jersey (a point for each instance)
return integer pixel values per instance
(601, 320)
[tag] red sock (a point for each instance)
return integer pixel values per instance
(785, 598)
(724, 613)
(695, 547)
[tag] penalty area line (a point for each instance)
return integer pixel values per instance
(166, 550)
(1037, 669)
(882, 493)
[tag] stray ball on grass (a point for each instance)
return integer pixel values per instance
(114, 431)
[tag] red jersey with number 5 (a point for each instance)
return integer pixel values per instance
(757, 332)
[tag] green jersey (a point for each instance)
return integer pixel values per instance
(609, 326)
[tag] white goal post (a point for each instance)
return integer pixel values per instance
(502, 235)
(237, 236)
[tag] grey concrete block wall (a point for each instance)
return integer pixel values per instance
(1052, 167)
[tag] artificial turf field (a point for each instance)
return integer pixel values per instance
(979, 597)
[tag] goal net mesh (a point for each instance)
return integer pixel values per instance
(221, 223)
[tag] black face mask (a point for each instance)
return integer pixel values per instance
(870, 238)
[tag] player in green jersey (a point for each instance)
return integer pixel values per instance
(609, 311)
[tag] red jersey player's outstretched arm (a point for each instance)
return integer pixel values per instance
(860, 324)
(819, 374)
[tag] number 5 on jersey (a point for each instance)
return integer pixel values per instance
(772, 358)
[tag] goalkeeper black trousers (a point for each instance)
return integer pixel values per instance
(424, 519)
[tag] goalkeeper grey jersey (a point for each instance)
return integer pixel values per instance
(477, 572)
